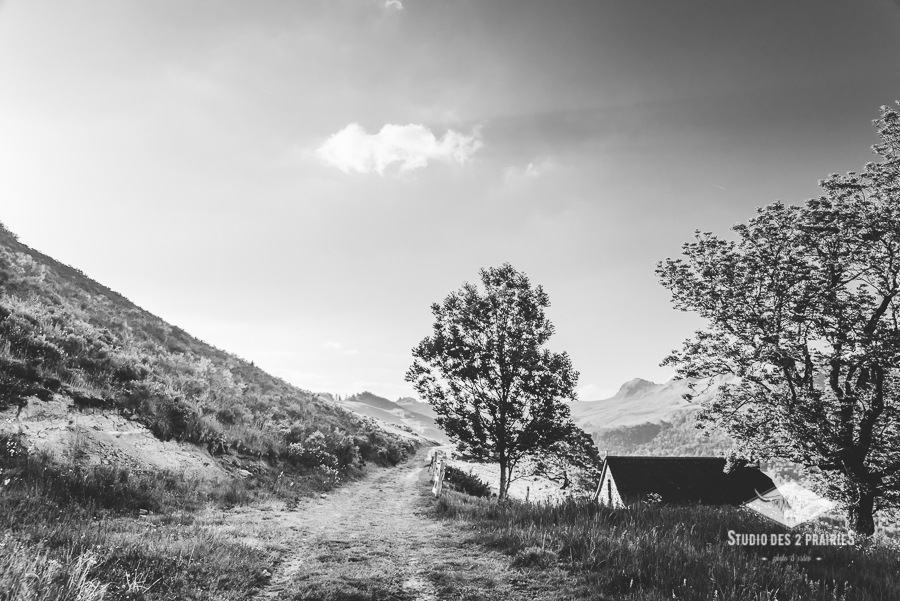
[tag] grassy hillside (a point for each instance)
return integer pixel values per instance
(406, 417)
(88, 531)
(63, 334)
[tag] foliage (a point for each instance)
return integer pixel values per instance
(496, 391)
(803, 308)
(465, 482)
(677, 437)
(657, 552)
(29, 573)
(89, 533)
(64, 335)
(572, 462)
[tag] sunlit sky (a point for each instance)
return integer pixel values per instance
(296, 182)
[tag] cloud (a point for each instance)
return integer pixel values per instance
(393, 5)
(529, 172)
(412, 146)
(337, 346)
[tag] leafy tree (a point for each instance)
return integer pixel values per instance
(572, 462)
(496, 391)
(803, 308)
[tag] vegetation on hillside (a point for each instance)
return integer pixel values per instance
(74, 531)
(676, 437)
(61, 333)
(71, 533)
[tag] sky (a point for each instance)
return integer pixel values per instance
(297, 182)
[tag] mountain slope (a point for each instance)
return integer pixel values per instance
(65, 338)
(648, 418)
(638, 401)
(401, 414)
(417, 406)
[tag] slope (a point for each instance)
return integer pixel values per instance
(648, 418)
(405, 416)
(66, 339)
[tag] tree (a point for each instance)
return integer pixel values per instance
(497, 392)
(803, 308)
(572, 462)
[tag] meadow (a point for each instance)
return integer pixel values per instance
(656, 552)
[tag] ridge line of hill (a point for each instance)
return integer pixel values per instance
(67, 339)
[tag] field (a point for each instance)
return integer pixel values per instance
(651, 553)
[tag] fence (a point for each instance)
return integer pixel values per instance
(437, 468)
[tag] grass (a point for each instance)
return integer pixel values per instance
(90, 534)
(651, 553)
(62, 335)
(68, 532)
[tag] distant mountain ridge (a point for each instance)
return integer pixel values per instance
(407, 414)
(651, 418)
(417, 406)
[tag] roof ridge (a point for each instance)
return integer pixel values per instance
(661, 457)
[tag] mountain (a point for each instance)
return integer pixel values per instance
(417, 406)
(644, 417)
(71, 345)
(403, 414)
(639, 401)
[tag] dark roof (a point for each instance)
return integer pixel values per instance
(683, 480)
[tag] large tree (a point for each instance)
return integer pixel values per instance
(803, 307)
(498, 393)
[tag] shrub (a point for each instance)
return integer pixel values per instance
(466, 482)
(313, 452)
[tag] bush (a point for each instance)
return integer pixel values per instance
(466, 482)
(312, 452)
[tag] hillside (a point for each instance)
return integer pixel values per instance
(417, 406)
(406, 415)
(72, 344)
(646, 418)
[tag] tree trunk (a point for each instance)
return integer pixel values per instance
(862, 514)
(503, 478)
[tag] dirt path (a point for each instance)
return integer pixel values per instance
(374, 540)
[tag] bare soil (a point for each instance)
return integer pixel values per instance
(378, 539)
(98, 437)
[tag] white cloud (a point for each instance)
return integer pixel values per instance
(337, 346)
(412, 146)
(529, 172)
(393, 4)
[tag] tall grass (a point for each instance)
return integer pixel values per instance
(29, 573)
(91, 533)
(658, 552)
(103, 533)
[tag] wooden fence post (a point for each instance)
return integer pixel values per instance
(439, 470)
